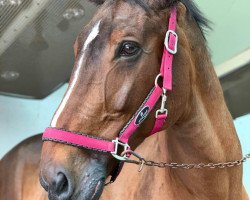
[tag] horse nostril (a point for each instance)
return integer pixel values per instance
(61, 187)
(62, 183)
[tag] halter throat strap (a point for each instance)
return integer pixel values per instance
(103, 145)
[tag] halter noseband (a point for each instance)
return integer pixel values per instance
(103, 145)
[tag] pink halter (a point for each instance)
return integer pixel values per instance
(103, 145)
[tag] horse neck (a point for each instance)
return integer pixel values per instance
(204, 116)
(205, 131)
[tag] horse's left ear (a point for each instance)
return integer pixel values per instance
(181, 9)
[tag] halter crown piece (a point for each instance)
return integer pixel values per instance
(103, 145)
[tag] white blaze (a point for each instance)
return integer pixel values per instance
(94, 32)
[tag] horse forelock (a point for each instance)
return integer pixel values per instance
(156, 5)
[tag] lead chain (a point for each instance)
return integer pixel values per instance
(142, 161)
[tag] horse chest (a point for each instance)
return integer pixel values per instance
(151, 183)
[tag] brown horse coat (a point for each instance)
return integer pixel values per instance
(106, 88)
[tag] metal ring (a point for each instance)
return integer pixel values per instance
(157, 78)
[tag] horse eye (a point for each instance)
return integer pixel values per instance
(129, 49)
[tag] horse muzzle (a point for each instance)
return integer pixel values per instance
(87, 183)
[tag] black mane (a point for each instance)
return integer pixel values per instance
(192, 8)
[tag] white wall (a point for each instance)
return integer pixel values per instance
(231, 30)
(242, 125)
(21, 118)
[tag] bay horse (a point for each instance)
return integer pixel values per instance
(19, 172)
(117, 58)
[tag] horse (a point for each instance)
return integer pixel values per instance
(118, 56)
(19, 172)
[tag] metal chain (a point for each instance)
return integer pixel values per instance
(142, 162)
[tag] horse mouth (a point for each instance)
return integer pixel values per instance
(98, 189)
(43, 183)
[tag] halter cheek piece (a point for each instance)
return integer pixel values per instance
(103, 145)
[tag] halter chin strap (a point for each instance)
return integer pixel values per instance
(99, 144)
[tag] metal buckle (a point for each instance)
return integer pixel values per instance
(125, 147)
(162, 110)
(172, 51)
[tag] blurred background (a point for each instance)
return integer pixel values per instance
(36, 59)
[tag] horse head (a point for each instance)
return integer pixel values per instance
(117, 58)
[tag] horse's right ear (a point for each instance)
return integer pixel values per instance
(97, 2)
